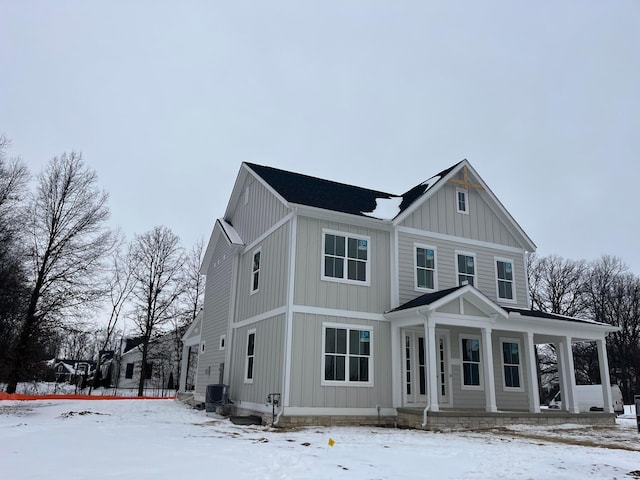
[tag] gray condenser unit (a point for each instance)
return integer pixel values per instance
(216, 396)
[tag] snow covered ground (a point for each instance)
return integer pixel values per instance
(162, 439)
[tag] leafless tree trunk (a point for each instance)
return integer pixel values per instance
(68, 240)
(158, 285)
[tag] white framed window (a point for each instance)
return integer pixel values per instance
(202, 346)
(425, 267)
(223, 341)
(250, 356)
(345, 257)
(255, 270)
(505, 285)
(471, 362)
(347, 357)
(466, 268)
(462, 201)
(511, 364)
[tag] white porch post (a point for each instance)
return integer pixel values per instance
(184, 364)
(489, 377)
(432, 363)
(396, 366)
(569, 398)
(534, 397)
(604, 375)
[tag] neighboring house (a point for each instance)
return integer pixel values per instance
(69, 371)
(352, 303)
(162, 365)
(190, 352)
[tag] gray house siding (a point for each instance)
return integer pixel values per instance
(306, 369)
(268, 361)
(462, 398)
(482, 223)
(215, 316)
(272, 287)
(261, 211)
(311, 290)
(446, 267)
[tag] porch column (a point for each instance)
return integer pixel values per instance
(604, 375)
(534, 396)
(432, 364)
(489, 377)
(569, 399)
(184, 364)
(396, 367)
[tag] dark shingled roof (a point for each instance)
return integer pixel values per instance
(552, 316)
(334, 196)
(426, 299)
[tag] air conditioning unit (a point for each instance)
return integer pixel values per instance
(216, 396)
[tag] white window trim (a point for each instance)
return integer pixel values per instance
(513, 281)
(347, 235)
(468, 336)
(466, 201)
(253, 273)
(246, 357)
(415, 267)
(346, 382)
(475, 266)
(222, 342)
(504, 380)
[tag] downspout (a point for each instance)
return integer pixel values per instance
(426, 314)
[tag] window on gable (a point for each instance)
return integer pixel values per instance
(347, 355)
(425, 268)
(511, 363)
(462, 201)
(255, 271)
(466, 269)
(251, 339)
(504, 273)
(129, 372)
(471, 362)
(346, 257)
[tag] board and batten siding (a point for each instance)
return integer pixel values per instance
(311, 290)
(474, 399)
(267, 364)
(257, 210)
(439, 214)
(274, 269)
(215, 318)
(306, 369)
(447, 270)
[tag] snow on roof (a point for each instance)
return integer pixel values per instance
(231, 233)
(386, 208)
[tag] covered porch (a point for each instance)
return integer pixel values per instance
(458, 351)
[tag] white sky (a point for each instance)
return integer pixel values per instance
(165, 99)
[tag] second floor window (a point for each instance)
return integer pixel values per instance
(346, 258)
(505, 279)
(425, 268)
(466, 269)
(255, 271)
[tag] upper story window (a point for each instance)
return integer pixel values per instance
(462, 201)
(425, 264)
(466, 268)
(347, 355)
(255, 271)
(504, 278)
(345, 257)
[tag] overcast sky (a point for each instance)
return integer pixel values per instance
(166, 99)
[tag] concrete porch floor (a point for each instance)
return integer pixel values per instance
(452, 419)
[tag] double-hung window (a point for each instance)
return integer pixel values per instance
(511, 364)
(347, 356)
(251, 342)
(255, 271)
(471, 362)
(345, 257)
(425, 264)
(504, 277)
(466, 268)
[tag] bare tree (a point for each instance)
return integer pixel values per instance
(158, 285)
(68, 240)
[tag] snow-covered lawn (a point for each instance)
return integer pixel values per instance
(163, 439)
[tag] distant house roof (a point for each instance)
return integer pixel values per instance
(339, 197)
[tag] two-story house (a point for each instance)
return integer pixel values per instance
(355, 304)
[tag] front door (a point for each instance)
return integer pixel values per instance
(415, 368)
